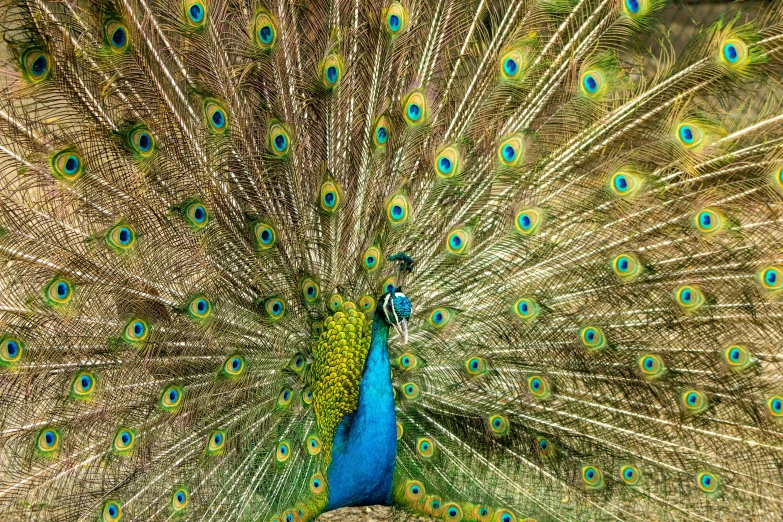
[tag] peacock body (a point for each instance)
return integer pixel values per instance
(219, 217)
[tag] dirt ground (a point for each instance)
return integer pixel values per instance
(362, 514)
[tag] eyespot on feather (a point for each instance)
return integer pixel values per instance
(58, 292)
(332, 71)
(116, 34)
(124, 441)
(233, 366)
(415, 108)
(593, 337)
(626, 266)
(11, 350)
(194, 13)
(83, 385)
(120, 237)
(264, 31)
(141, 141)
(709, 221)
(36, 65)
(396, 19)
(690, 135)
(651, 366)
(528, 221)
(447, 162)
(592, 477)
(689, 297)
(458, 241)
(329, 196)
(734, 53)
(397, 210)
(67, 165)
(279, 140)
(179, 499)
(216, 442)
(217, 118)
(196, 215)
(538, 385)
(136, 331)
(170, 398)
(511, 151)
(694, 401)
(111, 511)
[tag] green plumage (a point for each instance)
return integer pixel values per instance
(198, 204)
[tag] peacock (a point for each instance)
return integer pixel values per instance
(477, 260)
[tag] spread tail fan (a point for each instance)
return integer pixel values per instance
(260, 260)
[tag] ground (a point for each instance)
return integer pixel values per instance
(362, 514)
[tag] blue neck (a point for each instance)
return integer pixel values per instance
(365, 443)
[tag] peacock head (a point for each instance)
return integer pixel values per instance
(395, 308)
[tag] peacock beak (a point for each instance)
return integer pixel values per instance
(402, 329)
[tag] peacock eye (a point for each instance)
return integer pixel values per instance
(67, 165)
(170, 398)
(48, 441)
(117, 36)
(512, 63)
(11, 350)
(332, 71)
(397, 209)
(141, 142)
(216, 117)
(694, 401)
(179, 500)
(59, 292)
(279, 140)
(634, 7)
(709, 221)
(283, 452)
(690, 135)
(526, 308)
(396, 19)
(112, 511)
(313, 445)
(625, 184)
(120, 237)
(317, 484)
(775, 406)
(707, 482)
(233, 366)
(651, 366)
(199, 308)
(329, 196)
(458, 241)
(734, 52)
(196, 214)
(216, 442)
(265, 31)
(381, 134)
(195, 13)
(448, 162)
(689, 298)
(593, 83)
(36, 64)
(440, 317)
(511, 151)
(124, 441)
(592, 477)
(275, 308)
(83, 385)
(415, 108)
(136, 331)
(630, 475)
